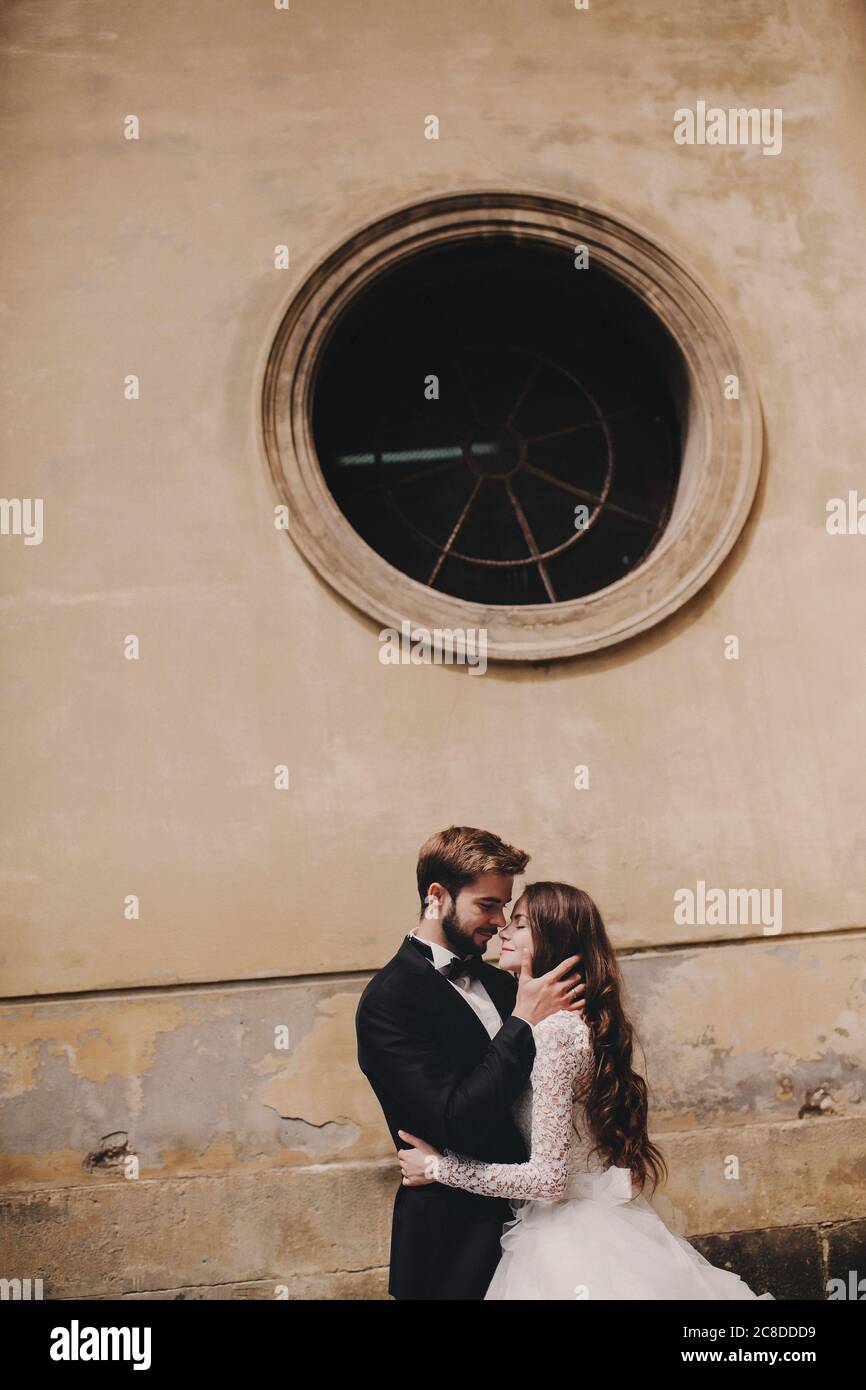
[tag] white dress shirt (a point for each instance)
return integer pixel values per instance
(468, 987)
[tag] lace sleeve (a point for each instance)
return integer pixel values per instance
(563, 1052)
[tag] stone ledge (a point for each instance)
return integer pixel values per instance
(307, 1228)
(797, 1173)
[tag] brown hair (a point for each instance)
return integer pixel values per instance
(564, 921)
(458, 855)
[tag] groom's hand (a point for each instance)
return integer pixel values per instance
(414, 1162)
(561, 988)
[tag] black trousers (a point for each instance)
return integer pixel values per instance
(445, 1243)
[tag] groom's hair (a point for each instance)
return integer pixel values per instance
(458, 855)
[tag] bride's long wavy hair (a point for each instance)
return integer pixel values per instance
(564, 921)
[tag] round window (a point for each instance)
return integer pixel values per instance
(493, 423)
(502, 411)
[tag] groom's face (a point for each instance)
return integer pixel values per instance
(478, 912)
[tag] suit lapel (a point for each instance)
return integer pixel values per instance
(459, 1015)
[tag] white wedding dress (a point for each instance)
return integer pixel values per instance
(578, 1232)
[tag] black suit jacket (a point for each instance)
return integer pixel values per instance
(438, 1075)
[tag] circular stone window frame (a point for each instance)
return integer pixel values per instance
(721, 439)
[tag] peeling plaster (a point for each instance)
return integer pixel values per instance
(323, 1075)
(98, 1042)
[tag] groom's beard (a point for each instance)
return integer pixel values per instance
(458, 939)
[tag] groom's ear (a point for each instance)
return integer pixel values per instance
(434, 902)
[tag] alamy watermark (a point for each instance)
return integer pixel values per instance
(718, 907)
(438, 646)
(846, 516)
(854, 1290)
(22, 1290)
(736, 126)
(22, 516)
(77, 1343)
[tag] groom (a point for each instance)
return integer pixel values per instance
(445, 1040)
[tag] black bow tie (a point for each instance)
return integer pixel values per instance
(469, 965)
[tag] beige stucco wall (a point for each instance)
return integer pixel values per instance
(155, 777)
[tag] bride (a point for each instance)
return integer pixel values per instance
(582, 1227)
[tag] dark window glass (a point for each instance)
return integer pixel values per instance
(552, 396)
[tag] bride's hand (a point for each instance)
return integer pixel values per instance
(413, 1162)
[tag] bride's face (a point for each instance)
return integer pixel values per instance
(516, 941)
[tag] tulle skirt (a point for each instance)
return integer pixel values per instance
(599, 1242)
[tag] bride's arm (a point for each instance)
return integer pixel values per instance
(563, 1050)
